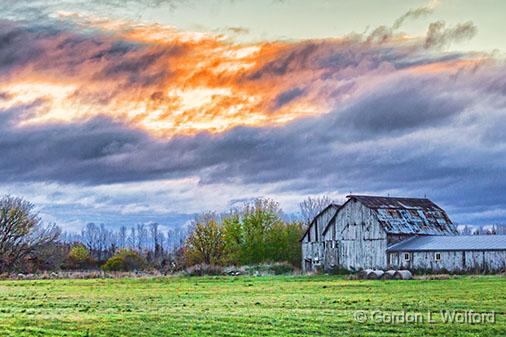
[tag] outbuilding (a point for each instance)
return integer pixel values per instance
(449, 253)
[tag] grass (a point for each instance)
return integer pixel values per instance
(243, 306)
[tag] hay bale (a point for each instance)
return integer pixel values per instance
(403, 275)
(388, 275)
(363, 273)
(375, 275)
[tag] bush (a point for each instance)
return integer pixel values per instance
(282, 268)
(204, 269)
(278, 268)
(125, 260)
(49, 257)
(336, 270)
(78, 258)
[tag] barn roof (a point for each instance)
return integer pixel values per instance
(331, 205)
(454, 242)
(408, 215)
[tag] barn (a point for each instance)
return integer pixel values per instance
(375, 232)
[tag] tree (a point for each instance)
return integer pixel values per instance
(233, 238)
(256, 233)
(122, 237)
(205, 243)
(142, 237)
(310, 207)
(258, 219)
(21, 231)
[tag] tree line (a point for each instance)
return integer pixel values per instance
(254, 233)
(149, 238)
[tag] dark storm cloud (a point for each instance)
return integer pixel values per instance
(287, 97)
(401, 106)
(408, 126)
(413, 136)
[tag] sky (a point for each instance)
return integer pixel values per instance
(133, 111)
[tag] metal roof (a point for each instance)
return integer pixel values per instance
(408, 215)
(453, 242)
(372, 201)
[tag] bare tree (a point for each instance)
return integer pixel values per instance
(90, 236)
(155, 237)
(122, 237)
(21, 231)
(132, 238)
(310, 207)
(467, 230)
(142, 237)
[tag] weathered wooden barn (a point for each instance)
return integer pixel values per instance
(364, 231)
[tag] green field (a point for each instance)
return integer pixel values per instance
(244, 306)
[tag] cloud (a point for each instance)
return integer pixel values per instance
(238, 30)
(438, 35)
(169, 82)
(383, 33)
(415, 13)
(98, 104)
(288, 96)
(403, 106)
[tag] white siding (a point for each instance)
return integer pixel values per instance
(359, 240)
(312, 242)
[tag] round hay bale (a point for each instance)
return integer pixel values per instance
(363, 273)
(375, 275)
(388, 275)
(403, 275)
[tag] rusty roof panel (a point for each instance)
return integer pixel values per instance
(408, 215)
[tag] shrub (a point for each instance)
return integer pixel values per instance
(125, 260)
(336, 270)
(78, 258)
(278, 268)
(282, 268)
(204, 269)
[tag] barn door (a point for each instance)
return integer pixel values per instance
(336, 252)
(308, 265)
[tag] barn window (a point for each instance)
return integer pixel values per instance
(437, 257)
(391, 258)
(407, 256)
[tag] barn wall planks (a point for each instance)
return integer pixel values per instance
(354, 240)
(312, 243)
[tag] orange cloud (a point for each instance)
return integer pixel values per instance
(170, 82)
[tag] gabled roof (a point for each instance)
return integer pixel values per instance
(332, 205)
(408, 215)
(449, 243)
